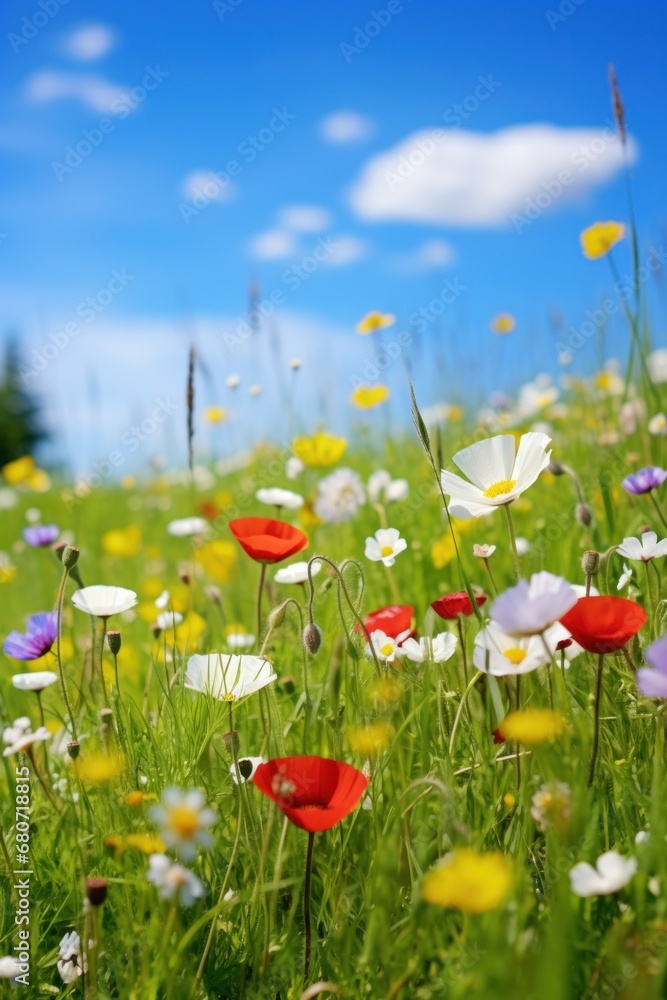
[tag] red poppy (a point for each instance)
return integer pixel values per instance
(208, 509)
(392, 620)
(266, 540)
(458, 603)
(603, 624)
(315, 793)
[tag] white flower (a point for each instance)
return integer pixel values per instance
(10, 967)
(228, 677)
(550, 806)
(625, 577)
(8, 497)
(386, 648)
(240, 640)
(339, 496)
(162, 601)
(658, 424)
(20, 739)
(642, 837)
(172, 879)
(169, 619)
(184, 527)
(610, 874)
(497, 476)
(382, 487)
(184, 820)
(522, 546)
(504, 655)
(532, 606)
(296, 572)
(643, 551)
(247, 768)
(657, 365)
(293, 467)
(104, 601)
(34, 681)
(386, 545)
(483, 551)
(71, 963)
(280, 498)
(436, 650)
(233, 381)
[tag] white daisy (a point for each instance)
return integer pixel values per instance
(436, 650)
(184, 820)
(293, 467)
(172, 879)
(658, 424)
(385, 546)
(20, 740)
(102, 601)
(185, 527)
(497, 475)
(339, 496)
(276, 497)
(228, 677)
(483, 551)
(381, 487)
(645, 550)
(168, 620)
(503, 655)
(386, 648)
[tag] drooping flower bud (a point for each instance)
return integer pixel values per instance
(556, 469)
(73, 749)
(583, 514)
(277, 615)
(312, 637)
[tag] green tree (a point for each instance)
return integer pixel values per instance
(21, 428)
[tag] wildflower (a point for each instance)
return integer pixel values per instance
(657, 365)
(215, 415)
(280, 498)
(603, 624)
(296, 572)
(184, 820)
(644, 480)
(468, 881)
(255, 390)
(36, 681)
(96, 891)
(39, 637)
(314, 793)
(503, 323)
(18, 472)
(123, 542)
(237, 637)
(551, 806)
(186, 527)
(217, 558)
(483, 551)
(228, 677)
(233, 381)
(598, 239)
(39, 536)
(147, 843)
(645, 550)
(246, 767)
(293, 467)
(97, 767)
(450, 606)
(611, 873)
(173, 880)
(266, 540)
(386, 648)
(533, 606)
(19, 737)
(658, 424)
(103, 601)
(370, 740)
(368, 396)
(321, 449)
(72, 962)
(295, 364)
(439, 649)
(531, 726)
(381, 487)
(385, 546)
(652, 680)
(497, 476)
(392, 620)
(168, 620)
(10, 967)
(503, 655)
(134, 799)
(339, 496)
(374, 321)
(625, 577)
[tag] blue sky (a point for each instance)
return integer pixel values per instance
(310, 110)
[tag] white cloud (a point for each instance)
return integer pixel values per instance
(431, 254)
(459, 178)
(274, 244)
(94, 91)
(89, 42)
(305, 218)
(207, 184)
(346, 126)
(346, 250)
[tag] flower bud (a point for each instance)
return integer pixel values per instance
(232, 741)
(113, 642)
(312, 637)
(214, 594)
(155, 629)
(69, 557)
(277, 615)
(73, 749)
(583, 514)
(96, 891)
(556, 469)
(590, 562)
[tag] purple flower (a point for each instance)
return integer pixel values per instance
(653, 683)
(645, 480)
(40, 636)
(41, 535)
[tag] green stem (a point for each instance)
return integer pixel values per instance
(59, 619)
(306, 905)
(658, 509)
(510, 528)
(459, 710)
(596, 733)
(262, 576)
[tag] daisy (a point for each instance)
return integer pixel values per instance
(503, 655)
(436, 650)
(645, 550)
(381, 487)
(35, 681)
(339, 496)
(228, 677)
(386, 648)
(611, 873)
(296, 572)
(184, 820)
(276, 497)
(658, 424)
(533, 606)
(497, 475)
(102, 601)
(185, 527)
(172, 879)
(386, 545)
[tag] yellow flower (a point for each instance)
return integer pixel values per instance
(17, 472)
(114, 846)
(97, 767)
(134, 798)
(190, 630)
(387, 691)
(218, 559)
(128, 482)
(368, 396)
(503, 323)
(320, 449)
(373, 321)
(215, 414)
(307, 516)
(151, 587)
(38, 481)
(147, 843)
(369, 740)
(468, 881)
(598, 239)
(442, 550)
(455, 414)
(7, 572)
(509, 800)
(123, 542)
(531, 725)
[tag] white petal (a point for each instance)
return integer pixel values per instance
(531, 458)
(487, 462)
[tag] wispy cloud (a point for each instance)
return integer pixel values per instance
(346, 126)
(305, 218)
(94, 91)
(89, 42)
(273, 244)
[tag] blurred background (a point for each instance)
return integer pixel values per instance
(253, 178)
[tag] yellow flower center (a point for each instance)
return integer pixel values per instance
(184, 821)
(500, 488)
(387, 649)
(515, 655)
(386, 550)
